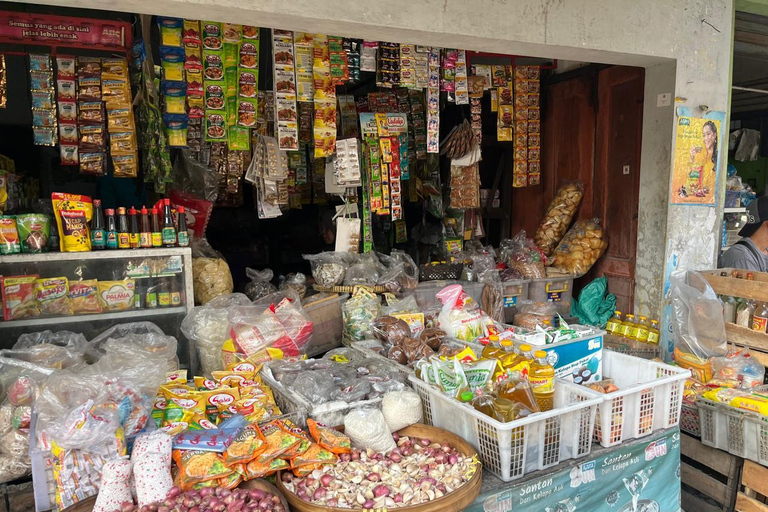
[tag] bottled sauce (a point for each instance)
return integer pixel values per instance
(176, 295)
(630, 327)
(111, 229)
(746, 309)
(492, 349)
(157, 235)
(140, 294)
(760, 318)
(542, 378)
(614, 323)
(133, 236)
(123, 238)
(145, 233)
(164, 293)
(183, 234)
(169, 229)
(98, 233)
(642, 329)
(653, 332)
(152, 289)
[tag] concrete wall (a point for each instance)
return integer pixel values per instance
(684, 44)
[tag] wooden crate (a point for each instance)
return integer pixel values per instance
(710, 477)
(754, 496)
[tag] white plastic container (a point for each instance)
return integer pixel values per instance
(290, 402)
(742, 433)
(649, 398)
(553, 289)
(511, 450)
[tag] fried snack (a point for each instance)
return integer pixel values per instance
(248, 444)
(558, 216)
(329, 438)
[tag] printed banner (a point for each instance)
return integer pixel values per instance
(63, 30)
(636, 477)
(695, 175)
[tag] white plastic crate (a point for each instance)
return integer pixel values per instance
(649, 398)
(742, 433)
(511, 450)
(290, 402)
(365, 347)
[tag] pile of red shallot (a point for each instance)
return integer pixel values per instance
(415, 472)
(212, 499)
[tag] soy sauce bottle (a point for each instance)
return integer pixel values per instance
(111, 229)
(169, 229)
(134, 236)
(98, 233)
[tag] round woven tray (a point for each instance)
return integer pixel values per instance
(349, 289)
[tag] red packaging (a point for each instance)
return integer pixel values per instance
(198, 211)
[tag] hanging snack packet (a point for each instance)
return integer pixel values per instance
(34, 231)
(73, 213)
(198, 466)
(329, 438)
(315, 454)
(258, 469)
(19, 297)
(9, 235)
(279, 441)
(246, 446)
(52, 296)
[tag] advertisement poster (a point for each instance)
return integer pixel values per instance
(695, 173)
(16, 27)
(635, 477)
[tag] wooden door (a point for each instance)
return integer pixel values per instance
(617, 177)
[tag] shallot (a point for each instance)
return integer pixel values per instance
(213, 499)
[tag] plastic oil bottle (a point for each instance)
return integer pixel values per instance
(630, 327)
(516, 360)
(542, 379)
(492, 349)
(653, 332)
(642, 330)
(505, 352)
(614, 323)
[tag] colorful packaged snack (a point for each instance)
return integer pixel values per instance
(117, 295)
(69, 154)
(201, 383)
(200, 422)
(68, 132)
(212, 39)
(246, 445)
(84, 297)
(19, 297)
(191, 32)
(90, 112)
(300, 448)
(73, 213)
(279, 441)
(126, 166)
(94, 164)
(256, 409)
(114, 69)
(52, 296)
(39, 62)
(315, 454)
(216, 399)
(329, 438)
(88, 67)
(170, 31)
(207, 440)
(89, 89)
(120, 120)
(197, 466)
(65, 66)
(9, 235)
(258, 469)
(67, 111)
(172, 60)
(44, 135)
(232, 480)
(40, 80)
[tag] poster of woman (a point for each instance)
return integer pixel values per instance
(695, 174)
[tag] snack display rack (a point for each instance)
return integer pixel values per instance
(107, 266)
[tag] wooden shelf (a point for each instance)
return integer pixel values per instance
(734, 287)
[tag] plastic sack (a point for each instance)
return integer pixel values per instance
(208, 328)
(194, 177)
(580, 248)
(57, 350)
(401, 266)
(295, 281)
(461, 317)
(115, 486)
(558, 216)
(136, 338)
(315, 386)
(197, 212)
(401, 409)
(737, 370)
(260, 285)
(366, 271)
(151, 459)
(698, 326)
(532, 314)
(358, 315)
(367, 428)
(595, 305)
(328, 268)
(521, 254)
(275, 322)
(407, 305)
(390, 330)
(492, 297)
(210, 272)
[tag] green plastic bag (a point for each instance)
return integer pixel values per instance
(594, 306)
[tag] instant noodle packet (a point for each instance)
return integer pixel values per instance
(84, 297)
(246, 445)
(315, 454)
(52, 296)
(258, 469)
(197, 466)
(329, 438)
(19, 297)
(279, 441)
(305, 443)
(73, 213)
(233, 480)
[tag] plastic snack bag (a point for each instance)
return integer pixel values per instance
(210, 272)
(580, 248)
(73, 213)
(461, 317)
(199, 466)
(358, 314)
(328, 268)
(329, 438)
(698, 327)
(52, 296)
(521, 254)
(558, 216)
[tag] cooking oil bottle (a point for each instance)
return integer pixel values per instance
(506, 352)
(492, 349)
(542, 378)
(630, 327)
(642, 330)
(516, 360)
(614, 323)
(653, 332)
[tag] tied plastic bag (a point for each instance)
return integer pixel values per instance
(58, 350)
(558, 216)
(208, 328)
(276, 322)
(210, 272)
(366, 271)
(401, 272)
(136, 339)
(260, 285)
(532, 314)
(521, 254)
(151, 459)
(737, 370)
(461, 317)
(698, 326)
(367, 428)
(401, 409)
(328, 268)
(595, 305)
(115, 486)
(358, 314)
(295, 281)
(581, 247)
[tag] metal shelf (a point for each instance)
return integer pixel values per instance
(95, 255)
(118, 315)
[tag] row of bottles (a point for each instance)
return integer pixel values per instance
(131, 229)
(630, 329)
(747, 313)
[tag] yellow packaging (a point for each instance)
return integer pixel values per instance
(73, 213)
(176, 376)
(201, 383)
(116, 295)
(701, 369)
(52, 295)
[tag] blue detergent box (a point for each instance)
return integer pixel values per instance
(579, 360)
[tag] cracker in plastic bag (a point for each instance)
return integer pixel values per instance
(558, 216)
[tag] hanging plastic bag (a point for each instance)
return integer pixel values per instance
(59, 350)
(295, 281)
(207, 327)
(595, 305)
(558, 216)
(260, 285)
(210, 272)
(580, 248)
(698, 326)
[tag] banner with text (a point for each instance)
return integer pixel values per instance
(44, 29)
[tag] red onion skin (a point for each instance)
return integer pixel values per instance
(326, 480)
(395, 457)
(398, 498)
(194, 509)
(332, 502)
(396, 436)
(369, 504)
(381, 490)
(426, 442)
(173, 492)
(278, 508)
(127, 506)
(236, 506)
(163, 508)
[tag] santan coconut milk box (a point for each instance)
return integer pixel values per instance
(579, 360)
